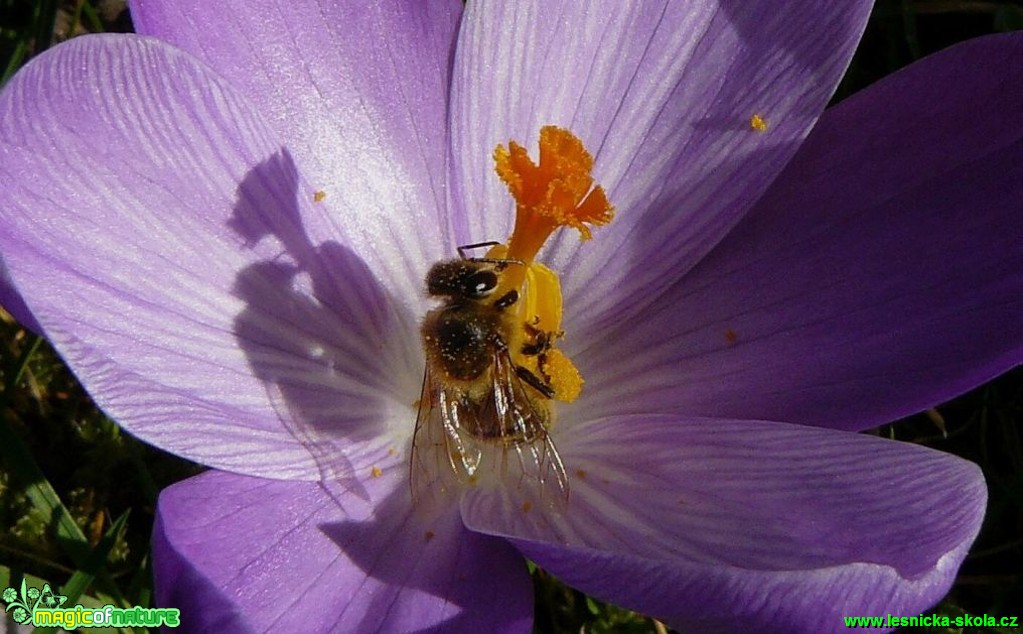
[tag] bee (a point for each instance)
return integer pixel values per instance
(480, 414)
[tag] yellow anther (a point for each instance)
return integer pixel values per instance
(563, 376)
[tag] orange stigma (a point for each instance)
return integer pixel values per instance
(557, 192)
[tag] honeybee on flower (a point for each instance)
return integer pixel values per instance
(493, 370)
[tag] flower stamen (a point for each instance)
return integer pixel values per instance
(557, 191)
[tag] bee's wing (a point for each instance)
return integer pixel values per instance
(502, 439)
(441, 454)
(537, 467)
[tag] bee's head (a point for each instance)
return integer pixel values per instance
(462, 279)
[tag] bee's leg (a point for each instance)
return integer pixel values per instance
(541, 366)
(539, 346)
(541, 341)
(534, 381)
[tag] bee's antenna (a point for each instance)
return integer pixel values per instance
(500, 262)
(479, 245)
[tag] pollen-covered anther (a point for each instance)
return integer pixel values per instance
(758, 123)
(564, 377)
(557, 191)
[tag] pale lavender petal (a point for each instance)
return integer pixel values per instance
(172, 251)
(358, 91)
(882, 274)
(743, 526)
(663, 94)
(242, 554)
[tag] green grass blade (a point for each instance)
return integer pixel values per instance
(91, 18)
(24, 469)
(18, 371)
(96, 563)
(45, 18)
(94, 566)
(17, 57)
(38, 490)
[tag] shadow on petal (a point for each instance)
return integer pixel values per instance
(481, 580)
(320, 331)
(765, 22)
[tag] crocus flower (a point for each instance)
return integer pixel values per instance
(224, 229)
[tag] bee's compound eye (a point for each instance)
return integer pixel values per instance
(480, 284)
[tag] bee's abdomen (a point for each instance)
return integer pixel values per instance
(462, 342)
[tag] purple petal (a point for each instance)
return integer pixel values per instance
(242, 554)
(742, 526)
(881, 275)
(358, 91)
(170, 248)
(663, 94)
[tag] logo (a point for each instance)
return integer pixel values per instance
(45, 608)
